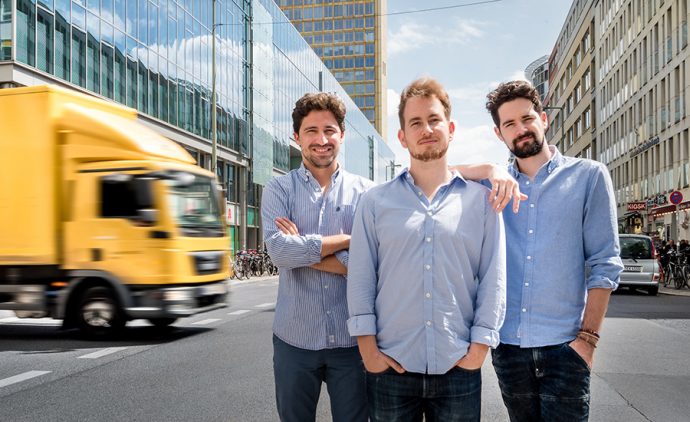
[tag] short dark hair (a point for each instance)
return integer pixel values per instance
(425, 88)
(319, 101)
(509, 91)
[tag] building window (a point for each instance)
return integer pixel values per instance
(26, 32)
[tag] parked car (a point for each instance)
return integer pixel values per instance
(641, 263)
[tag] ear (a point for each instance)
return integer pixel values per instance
(401, 138)
(296, 136)
(498, 134)
(451, 130)
(545, 120)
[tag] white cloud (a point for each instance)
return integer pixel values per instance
(477, 145)
(518, 75)
(393, 99)
(411, 35)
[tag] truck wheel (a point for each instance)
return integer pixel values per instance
(99, 314)
(162, 322)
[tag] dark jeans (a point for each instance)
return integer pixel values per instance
(453, 396)
(298, 377)
(548, 383)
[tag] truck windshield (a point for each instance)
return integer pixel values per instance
(194, 205)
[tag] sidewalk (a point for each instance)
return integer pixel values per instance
(673, 292)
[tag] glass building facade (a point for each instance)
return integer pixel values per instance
(155, 56)
(349, 37)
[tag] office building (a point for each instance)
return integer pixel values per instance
(155, 56)
(537, 73)
(349, 36)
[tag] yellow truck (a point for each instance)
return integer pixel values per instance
(102, 220)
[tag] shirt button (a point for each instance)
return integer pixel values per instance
(527, 182)
(331, 338)
(428, 323)
(428, 239)
(427, 266)
(419, 193)
(529, 258)
(531, 231)
(328, 312)
(526, 284)
(524, 309)
(326, 286)
(531, 205)
(428, 295)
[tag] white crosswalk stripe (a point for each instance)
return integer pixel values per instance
(101, 353)
(206, 321)
(22, 377)
(239, 312)
(266, 305)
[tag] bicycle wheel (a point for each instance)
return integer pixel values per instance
(686, 275)
(679, 278)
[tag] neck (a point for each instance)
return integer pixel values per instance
(322, 175)
(430, 175)
(530, 166)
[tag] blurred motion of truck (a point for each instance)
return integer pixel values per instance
(102, 220)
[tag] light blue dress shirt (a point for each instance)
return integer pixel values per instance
(562, 242)
(311, 310)
(427, 278)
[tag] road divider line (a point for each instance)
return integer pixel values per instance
(22, 377)
(206, 321)
(265, 305)
(239, 312)
(101, 353)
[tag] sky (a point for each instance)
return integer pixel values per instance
(469, 50)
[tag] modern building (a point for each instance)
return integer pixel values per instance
(570, 101)
(642, 77)
(537, 73)
(619, 72)
(349, 36)
(156, 56)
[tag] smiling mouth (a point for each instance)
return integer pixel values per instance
(322, 150)
(427, 141)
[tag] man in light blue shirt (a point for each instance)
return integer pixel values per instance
(563, 263)
(426, 277)
(307, 219)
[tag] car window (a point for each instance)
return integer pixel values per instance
(635, 248)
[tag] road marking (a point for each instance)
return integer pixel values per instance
(265, 305)
(240, 312)
(206, 321)
(101, 353)
(22, 377)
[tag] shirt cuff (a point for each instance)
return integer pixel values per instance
(602, 283)
(362, 325)
(343, 256)
(313, 245)
(484, 335)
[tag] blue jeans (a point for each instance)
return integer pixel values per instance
(453, 396)
(298, 377)
(549, 383)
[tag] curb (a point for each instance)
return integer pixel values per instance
(673, 292)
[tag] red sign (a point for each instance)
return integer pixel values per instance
(662, 210)
(676, 197)
(684, 206)
(637, 206)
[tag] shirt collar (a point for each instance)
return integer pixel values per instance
(306, 174)
(556, 160)
(455, 176)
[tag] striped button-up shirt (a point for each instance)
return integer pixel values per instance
(427, 277)
(311, 311)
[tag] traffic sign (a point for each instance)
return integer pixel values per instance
(676, 197)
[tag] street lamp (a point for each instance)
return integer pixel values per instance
(392, 166)
(562, 119)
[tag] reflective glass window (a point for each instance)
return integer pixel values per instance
(44, 40)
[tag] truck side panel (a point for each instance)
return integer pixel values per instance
(28, 186)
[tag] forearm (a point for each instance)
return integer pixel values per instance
(290, 251)
(330, 264)
(595, 309)
(333, 244)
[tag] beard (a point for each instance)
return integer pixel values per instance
(319, 163)
(430, 155)
(529, 148)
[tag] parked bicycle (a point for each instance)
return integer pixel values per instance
(676, 271)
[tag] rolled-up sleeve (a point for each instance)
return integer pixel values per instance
(286, 251)
(362, 270)
(600, 231)
(491, 293)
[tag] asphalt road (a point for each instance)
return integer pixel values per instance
(218, 366)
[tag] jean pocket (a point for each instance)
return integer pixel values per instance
(465, 370)
(577, 357)
(386, 371)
